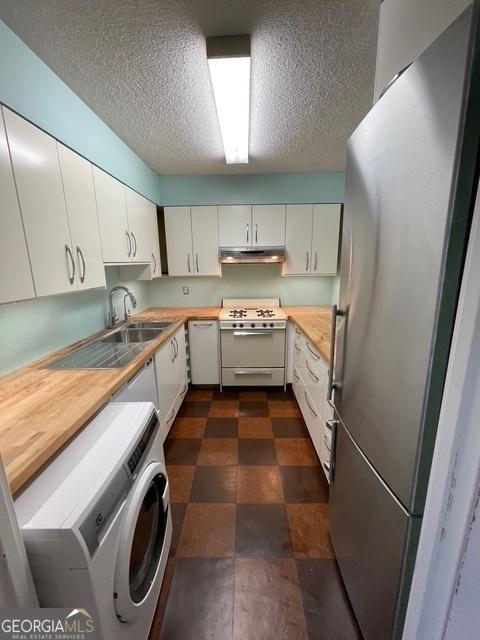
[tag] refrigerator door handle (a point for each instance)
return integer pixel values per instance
(336, 313)
(332, 426)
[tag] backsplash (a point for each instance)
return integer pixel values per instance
(242, 281)
(34, 328)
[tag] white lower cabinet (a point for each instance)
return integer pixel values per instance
(203, 342)
(171, 376)
(310, 381)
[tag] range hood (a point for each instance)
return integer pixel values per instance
(251, 255)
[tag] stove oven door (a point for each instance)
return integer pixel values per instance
(253, 348)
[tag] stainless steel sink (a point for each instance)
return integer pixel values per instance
(131, 335)
(149, 324)
(114, 350)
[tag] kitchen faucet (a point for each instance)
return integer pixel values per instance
(112, 315)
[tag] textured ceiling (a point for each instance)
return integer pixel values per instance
(141, 66)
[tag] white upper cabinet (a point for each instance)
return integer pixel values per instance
(235, 225)
(268, 225)
(298, 239)
(152, 224)
(143, 228)
(192, 241)
(42, 203)
(178, 230)
(205, 241)
(325, 238)
(312, 238)
(16, 282)
(82, 218)
(117, 244)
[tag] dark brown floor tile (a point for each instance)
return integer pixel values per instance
(259, 485)
(283, 409)
(222, 428)
(181, 450)
(289, 428)
(200, 605)
(255, 428)
(180, 478)
(298, 452)
(325, 603)
(253, 451)
(223, 409)
(218, 451)
(208, 531)
(280, 394)
(214, 484)
(203, 395)
(309, 531)
(227, 395)
(268, 601)
(178, 515)
(253, 408)
(304, 484)
(162, 600)
(194, 409)
(188, 428)
(262, 531)
(257, 396)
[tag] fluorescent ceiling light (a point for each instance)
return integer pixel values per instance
(230, 76)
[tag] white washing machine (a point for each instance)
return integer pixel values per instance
(97, 524)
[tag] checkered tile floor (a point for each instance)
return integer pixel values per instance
(251, 557)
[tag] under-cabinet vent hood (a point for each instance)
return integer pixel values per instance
(252, 255)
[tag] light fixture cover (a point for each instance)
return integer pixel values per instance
(229, 64)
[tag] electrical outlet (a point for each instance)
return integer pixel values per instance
(186, 291)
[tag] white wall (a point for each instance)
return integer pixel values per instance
(406, 29)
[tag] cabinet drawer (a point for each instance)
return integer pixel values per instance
(241, 377)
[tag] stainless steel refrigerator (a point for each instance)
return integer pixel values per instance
(409, 184)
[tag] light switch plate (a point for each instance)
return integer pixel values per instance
(186, 291)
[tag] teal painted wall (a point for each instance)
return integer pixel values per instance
(34, 328)
(29, 86)
(268, 188)
(242, 281)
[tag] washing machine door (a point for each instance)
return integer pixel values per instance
(142, 542)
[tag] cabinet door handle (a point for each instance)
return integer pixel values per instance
(299, 333)
(68, 252)
(204, 324)
(129, 240)
(173, 349)
(297, 347)
(325, 439)
(154, 263)
(170, 418)
(314, 377)
(247, 232)
(315, 267)
(135, 244)
(188, 263)
(256, 234)
(309, 405)
(176, 347)
(317, 357)
(308, 260)
(80, 255)
(296, 375)
(196, 262)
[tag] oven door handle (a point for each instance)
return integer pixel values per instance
(242, 334)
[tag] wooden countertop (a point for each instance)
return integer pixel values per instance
(42, 409)
(315, 323)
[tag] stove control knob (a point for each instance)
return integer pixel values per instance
(271, 324)
(264, 324)
(234, 325)
(253, 325)
(241, 324)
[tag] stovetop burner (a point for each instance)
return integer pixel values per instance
(237, 313)
(265, 313)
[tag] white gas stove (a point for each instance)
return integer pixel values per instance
(253, 340)
(263, 313)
